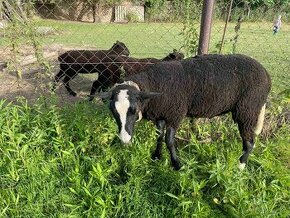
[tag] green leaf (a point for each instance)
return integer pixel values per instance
(72, 190)
(171, 195)
(100, 201)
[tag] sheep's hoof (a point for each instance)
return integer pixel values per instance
(52, 89)
(176, 165)
(156, 156)
(73, 94)
(90, 98)
(242, 166)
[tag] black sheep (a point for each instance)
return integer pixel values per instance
(74, 62)
(130, 65)
(203, 86)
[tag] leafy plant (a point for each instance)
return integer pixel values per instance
(22, 27)
(66, 162)
(132, 17)
(190, 34)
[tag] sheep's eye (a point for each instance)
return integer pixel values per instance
(132, 110)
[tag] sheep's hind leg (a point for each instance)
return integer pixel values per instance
(160, 131)
(66, 81)
(247, 134)
(169, 139)
(249, 125)
(248, 146)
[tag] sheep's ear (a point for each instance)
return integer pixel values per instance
(172, 56)
(146, 95)
(103, 95)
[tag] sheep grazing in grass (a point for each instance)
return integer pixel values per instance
(203, 86)
(74, 62)
(130, 65)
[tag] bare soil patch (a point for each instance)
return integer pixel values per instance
(34, 82)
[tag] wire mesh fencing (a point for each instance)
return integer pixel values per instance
(80, 47)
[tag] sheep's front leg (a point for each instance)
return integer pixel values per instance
(160, 131)
(57, 77)
(169, 139)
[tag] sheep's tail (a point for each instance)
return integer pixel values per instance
(260, 121)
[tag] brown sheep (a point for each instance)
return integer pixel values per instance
(74, 62)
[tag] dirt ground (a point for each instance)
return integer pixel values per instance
(31, 86)
(34, 83)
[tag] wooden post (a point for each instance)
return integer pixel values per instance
(205, 27)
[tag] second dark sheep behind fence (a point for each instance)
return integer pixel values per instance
(130, 65)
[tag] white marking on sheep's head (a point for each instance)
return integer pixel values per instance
(125, 104)
(121, 106)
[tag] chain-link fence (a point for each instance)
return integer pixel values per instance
(80, 47)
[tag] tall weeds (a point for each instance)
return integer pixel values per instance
(67, 162)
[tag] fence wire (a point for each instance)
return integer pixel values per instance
(80, 47)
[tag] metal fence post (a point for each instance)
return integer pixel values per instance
(205, 26)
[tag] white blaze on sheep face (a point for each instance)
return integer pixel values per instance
(122, 106)
(125, 107)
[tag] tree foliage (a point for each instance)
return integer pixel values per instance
(256, 3)
(152, 3)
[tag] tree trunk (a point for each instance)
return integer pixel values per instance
(97, 13)
(247, 9)
(94, 12)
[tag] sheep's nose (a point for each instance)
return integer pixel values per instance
(125, 137)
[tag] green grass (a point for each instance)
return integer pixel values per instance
(158, 39)
(65, 161)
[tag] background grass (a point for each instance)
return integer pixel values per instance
(159, 39)
(66, 162)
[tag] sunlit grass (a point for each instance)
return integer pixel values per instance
(65, 162)
(158, 39)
